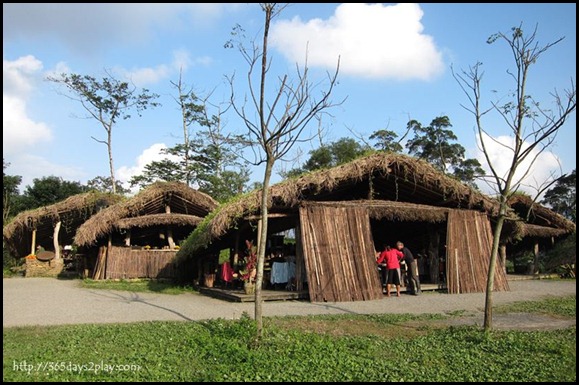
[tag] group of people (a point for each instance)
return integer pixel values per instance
(389, 260)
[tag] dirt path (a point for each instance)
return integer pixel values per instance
(47, 301)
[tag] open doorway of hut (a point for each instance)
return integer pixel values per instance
(425, 240)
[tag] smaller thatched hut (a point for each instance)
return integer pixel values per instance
(137, 238)
(537, 230)
(55, 225)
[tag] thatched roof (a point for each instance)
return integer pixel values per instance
(539, 215)
(537, 231)
(159, 220)
(378, 177)
(71, 212)
(148, 203)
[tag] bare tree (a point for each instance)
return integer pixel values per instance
(275, 125)
(532, 127)
(106, 101)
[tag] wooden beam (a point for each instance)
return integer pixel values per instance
(269, 216)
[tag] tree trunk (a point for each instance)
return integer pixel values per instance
(111, 165)
(262, 240)
(503, 253)
(488, 318)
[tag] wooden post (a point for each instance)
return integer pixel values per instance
(259, 224)
(108, 253)
(456, 269)
(55, 240)
(536, 258)
(299, 258)
(128, 238)
(433, 246)
(33, 245)
(169, 230)
(236, 251)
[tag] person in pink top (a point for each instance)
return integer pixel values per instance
(392, 258)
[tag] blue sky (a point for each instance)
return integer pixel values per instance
(395, 66)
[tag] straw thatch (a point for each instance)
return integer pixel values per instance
(537, 231)
(535, 214)
(71, 212)
(380, 176)
(159, 220)
(152, 201)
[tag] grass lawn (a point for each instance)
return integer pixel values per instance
(314, 348)
(138, 285)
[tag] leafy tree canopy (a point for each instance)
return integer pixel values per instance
(562, 196)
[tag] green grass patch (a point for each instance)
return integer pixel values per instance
(142, 285)
(316, 348)
(554, 306)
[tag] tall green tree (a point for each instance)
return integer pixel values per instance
(434, 143)
(107, 101)
(533, 128)
(339, 152)
(562, 197)
(10, 192)
(207, 157)
(275, 124)
(386, 141)
(49, 190)
(104, 184)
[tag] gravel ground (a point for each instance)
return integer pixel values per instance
(48, 301)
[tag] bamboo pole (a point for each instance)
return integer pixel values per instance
(33, 244)
(55, 240)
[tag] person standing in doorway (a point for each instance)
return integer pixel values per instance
(392, 258)
(411, 269)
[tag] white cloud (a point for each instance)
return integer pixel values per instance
(500, 151)
(18, 75)
(20, 132)
(145, 76)
(373, 41)
(86, 26)
(31, 166)
(153, 153)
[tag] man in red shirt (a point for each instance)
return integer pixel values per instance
(392, 259)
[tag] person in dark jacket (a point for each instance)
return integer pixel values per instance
(411, 269)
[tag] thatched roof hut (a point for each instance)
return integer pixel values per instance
(399, 179)
(539, 221)
(161, 204)
(71, 213)
(342, 215)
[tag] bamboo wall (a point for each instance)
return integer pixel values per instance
(469, 242)
(339, 253)
(122, 263)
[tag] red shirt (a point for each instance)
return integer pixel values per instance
(391, 258)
